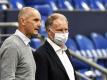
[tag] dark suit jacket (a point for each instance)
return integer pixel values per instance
(49, 66)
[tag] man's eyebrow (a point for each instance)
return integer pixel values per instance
(36, 19)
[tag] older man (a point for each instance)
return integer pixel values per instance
(52, 59)
(16, 59)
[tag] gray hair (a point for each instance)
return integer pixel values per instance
(53, 17)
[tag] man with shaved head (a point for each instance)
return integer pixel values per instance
(52, 58)
(16, 58)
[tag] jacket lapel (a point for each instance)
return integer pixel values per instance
(54, 56)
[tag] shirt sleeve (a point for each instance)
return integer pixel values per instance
(8, 63)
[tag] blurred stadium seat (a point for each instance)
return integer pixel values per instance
(16, 4)
(79, 65)
(96, 5)
(101, 46)
(99, 41)
(81, 45)
(34, 3)
(105, 3)
(69, 6)
(4, 5)
(85, 5)
(64, 4)
(86, 46)
(81, 5)
(71, 44)
(35, 43)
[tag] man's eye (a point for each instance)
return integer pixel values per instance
(36, 19)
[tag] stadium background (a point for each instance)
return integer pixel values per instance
(87, 28)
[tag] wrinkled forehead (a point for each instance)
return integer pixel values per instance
(60, 21)
(34, 13)
(59, 16)
(60, 24)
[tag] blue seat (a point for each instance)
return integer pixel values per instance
(16, 4)
(96, 5)
(61, 4)
(79, 65)
(81, 5)
(35, 2)
(105, 3)
(86, 46)
(64, 4)
(83, 41)
(71, 44)
(69, 5)
(35, 44)
(101, 45)
(43, 6)
(45, 10)
(3, 7)
(99, 41)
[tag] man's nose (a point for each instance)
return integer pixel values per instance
(39, 24)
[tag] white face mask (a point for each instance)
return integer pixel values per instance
(60, 38)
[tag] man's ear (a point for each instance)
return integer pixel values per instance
(22, 21)
(48, 30)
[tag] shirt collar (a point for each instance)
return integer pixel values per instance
(55, 46)
(25, 39)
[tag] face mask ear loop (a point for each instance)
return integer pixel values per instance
(51, 30)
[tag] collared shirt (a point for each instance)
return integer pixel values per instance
(29, 66)
(25, 39)
(63, 58)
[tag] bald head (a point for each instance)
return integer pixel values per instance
(29, 20)
(26, 12)
(53, 17)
